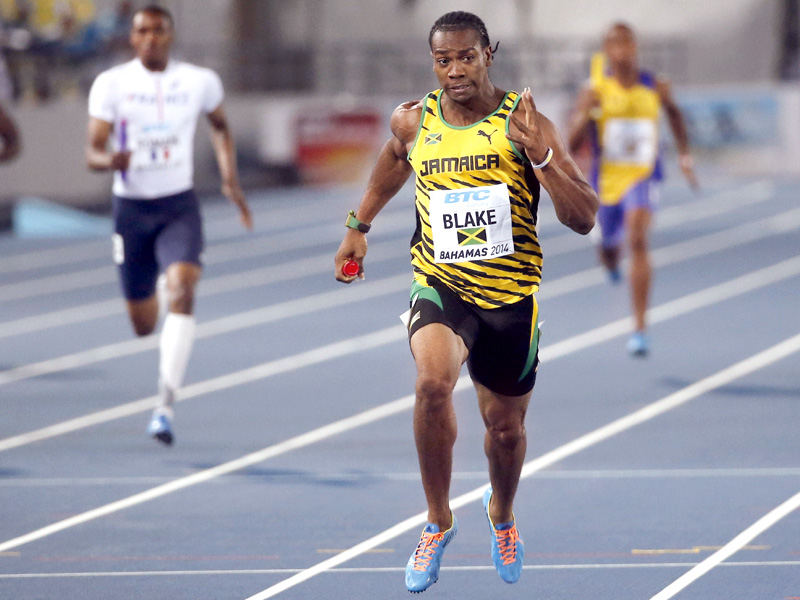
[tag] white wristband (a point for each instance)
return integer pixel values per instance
(548, 157)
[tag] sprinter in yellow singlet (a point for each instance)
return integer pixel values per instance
(479, 155)
(620, 111)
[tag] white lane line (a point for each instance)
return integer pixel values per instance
(736, 544)
(282, 272)
(715, 294)
(64, 316)
(396, 220)
(649, 412)
(265, 216)
(260, 316)
(715, 242)
(241, 249)
(54, 284)
(53, 257)
(682, 251)
(680, 306)
(413, 476)
(264, 370)
(564, 285)
(364, 343)
(717, 204)
(366, 570)
(300, 441)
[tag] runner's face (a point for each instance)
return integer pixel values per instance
(151, 38)
(460, 64)
(620, 47)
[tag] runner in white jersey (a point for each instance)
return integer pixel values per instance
(142, 120)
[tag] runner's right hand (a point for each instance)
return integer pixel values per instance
(120, 161)
(353, 247)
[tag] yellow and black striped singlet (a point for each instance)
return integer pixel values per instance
(445, 157)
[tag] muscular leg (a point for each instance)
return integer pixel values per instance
(609, 257)
(611, 221)
(182, 278)
(143, 315)
(177, 334)
(638, 225)
(505, 444)
(439, 354)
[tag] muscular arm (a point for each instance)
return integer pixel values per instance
(678, 126)
(581, 123)
(10, 137)
(390, 173)
(98, 157)
(225, 153)
(573, 198)
(674, 116)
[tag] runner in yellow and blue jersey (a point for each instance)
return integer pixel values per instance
(479, 155)
(620, 111)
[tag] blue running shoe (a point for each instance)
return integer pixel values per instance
(422, 570)
(507, 549)
(638, 345)
(160, 428)
(614, 276)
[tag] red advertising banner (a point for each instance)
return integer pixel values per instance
(336, 147)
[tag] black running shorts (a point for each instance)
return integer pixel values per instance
(503, 342)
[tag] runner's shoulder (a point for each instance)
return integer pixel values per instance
(197, 70)
(405, 120)
(663, 87)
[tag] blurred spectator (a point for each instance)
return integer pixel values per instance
(17, 38)
(115, 29)
(44, 43)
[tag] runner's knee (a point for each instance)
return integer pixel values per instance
(507, 433)
(142, 327)
(638, 242)
(181, 297)
(434, 391)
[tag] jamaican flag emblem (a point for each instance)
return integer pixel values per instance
(433, 138)
(471, 236)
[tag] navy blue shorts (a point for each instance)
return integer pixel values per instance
(150, 235)
(611, 218)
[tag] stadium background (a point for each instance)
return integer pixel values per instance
(310, 83)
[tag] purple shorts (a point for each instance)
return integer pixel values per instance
(150, 235)
(611, 218)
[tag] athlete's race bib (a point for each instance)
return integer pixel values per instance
(155, 147)
(471, 224)
(630, 141)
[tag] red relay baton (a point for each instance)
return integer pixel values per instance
(350, 268)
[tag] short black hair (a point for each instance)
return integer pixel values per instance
(156, 9)
(460, 21)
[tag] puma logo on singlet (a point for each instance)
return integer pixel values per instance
(488, 136)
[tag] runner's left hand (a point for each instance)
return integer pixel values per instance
(235, 194)
(529, 135)
(686, 163)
